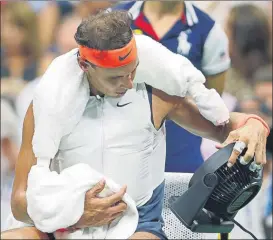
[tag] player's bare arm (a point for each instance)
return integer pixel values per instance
(185, 113)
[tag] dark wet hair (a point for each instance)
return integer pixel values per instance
(106, 30)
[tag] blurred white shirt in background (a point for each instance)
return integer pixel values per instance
(219, 10)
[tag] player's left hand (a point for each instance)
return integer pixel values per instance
(252, 136)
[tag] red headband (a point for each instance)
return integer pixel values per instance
(110, 58)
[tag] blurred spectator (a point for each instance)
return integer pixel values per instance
(65, 7)
(49, 14)
(9, 152)
(64, 40)
(84, 8)
(20, 47)
(260, 102)
(249, 35)
(184, 29)
(65, 34)
(219, 10)
(20, 50)
(263, 88)
(48, 19)
(250, 43)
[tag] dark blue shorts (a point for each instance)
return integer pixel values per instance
(150, 214)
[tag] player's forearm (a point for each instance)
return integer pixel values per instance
(186, 115)
(19, 207)
(235, 121)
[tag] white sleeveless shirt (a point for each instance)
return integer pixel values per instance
(120, 142)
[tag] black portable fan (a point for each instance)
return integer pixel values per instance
(216, 193)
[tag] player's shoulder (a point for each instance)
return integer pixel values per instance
(126, 5)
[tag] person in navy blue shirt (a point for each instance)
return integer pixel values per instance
(184, 29)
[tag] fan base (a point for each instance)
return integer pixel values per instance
(224, 227)
(207, 223)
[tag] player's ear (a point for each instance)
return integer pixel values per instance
(83, 64)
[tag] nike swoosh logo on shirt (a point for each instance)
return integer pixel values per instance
(122, 105)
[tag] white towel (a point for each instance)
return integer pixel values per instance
(56, 201)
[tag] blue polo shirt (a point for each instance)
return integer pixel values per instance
(197, 37)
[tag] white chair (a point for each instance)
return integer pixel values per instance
(175, 185)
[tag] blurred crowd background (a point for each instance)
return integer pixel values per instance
(33, 33)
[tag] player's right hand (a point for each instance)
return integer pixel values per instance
(101, 211)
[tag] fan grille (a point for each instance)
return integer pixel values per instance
(234, 190)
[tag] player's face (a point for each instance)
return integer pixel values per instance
(113, 82)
